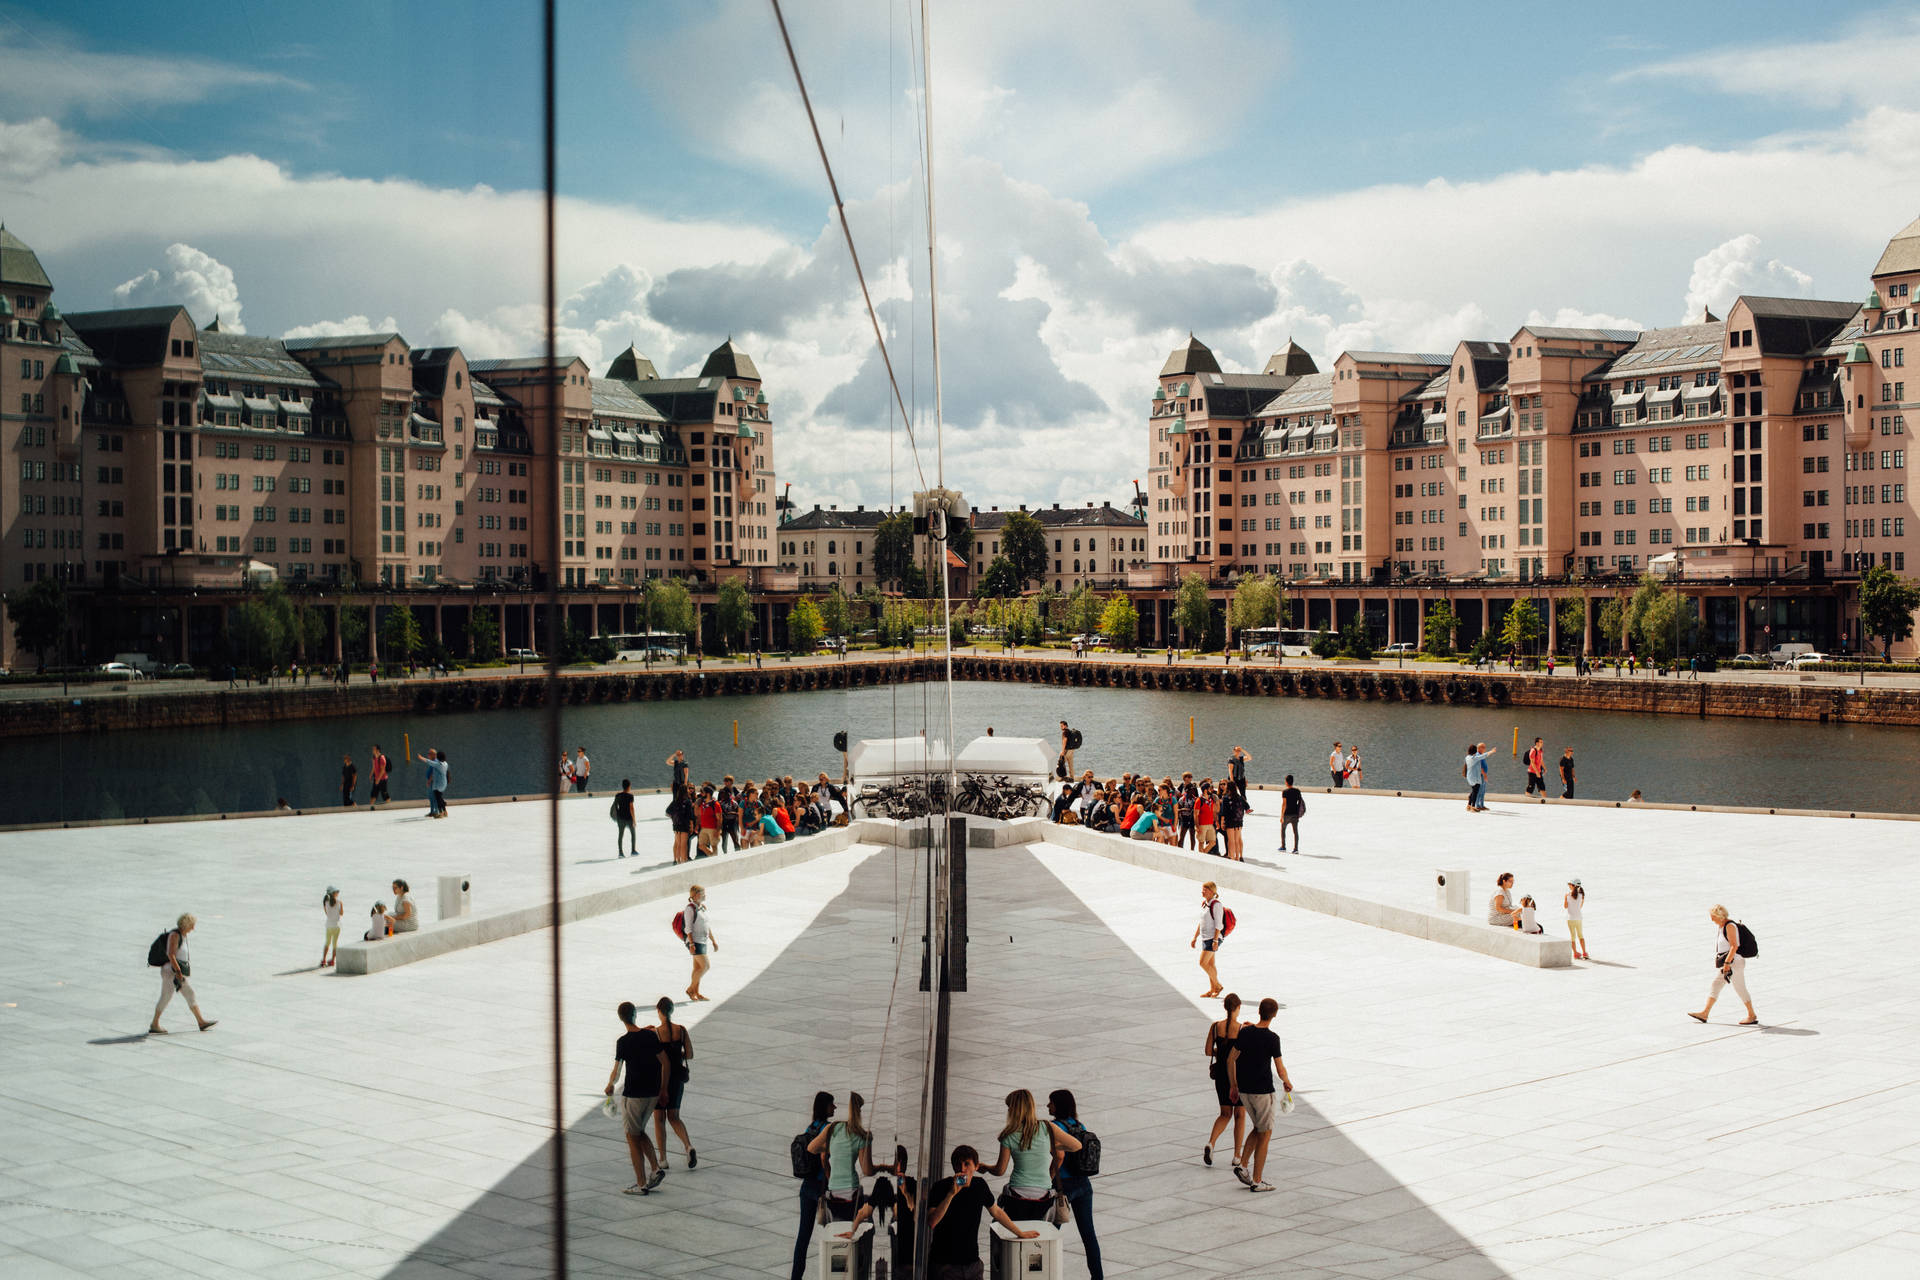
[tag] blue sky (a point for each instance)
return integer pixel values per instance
(1108, 176)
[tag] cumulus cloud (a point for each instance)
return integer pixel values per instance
(1575, 318)
(53, 76)
(1734, 267)
(342, 328)
(197, 281)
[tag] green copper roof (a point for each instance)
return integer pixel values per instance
(1179, 427)
(1859, 355)
(747, 432)
(6, 307)
(19, 264)
(66, 364)
(1873, 301)
(49, 312)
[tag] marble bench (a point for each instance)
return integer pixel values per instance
(1535, 950)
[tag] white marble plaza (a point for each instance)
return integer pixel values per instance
(1461, 1116)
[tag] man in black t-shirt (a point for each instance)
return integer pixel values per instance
(648, 1072)
(623, 820)
(1293, 807)
(954, 1208)
(1566, 774)
(1256, 1052)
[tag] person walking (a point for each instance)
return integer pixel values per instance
(1219, 1044)
(333, 909)
(349, 776)
(678, 1046)
(378, 772)
(1474, 769)
(700, 939)
(1729, 967)
(1293, 807)
(624, 838)
(1566, 774)
(1337, 765)
(582, 772)
(1537, 768)
(175, 971)
(436, 782)
(813, 1186)
(1066, 749)
(1255, 1058)
(1074, 1185)
(639, 1051)
(1575, 902)
(1209, 934)
(566, 773)
(1353, 766)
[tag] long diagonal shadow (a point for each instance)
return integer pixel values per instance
(1056, 1000)
(1067, 1004)
(815, 1018)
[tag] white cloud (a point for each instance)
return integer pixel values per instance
(343, 328)
(1873, 59)
(1575, 318)
(197, 281)
(29, 150)
(1732, 268)
(54, 77)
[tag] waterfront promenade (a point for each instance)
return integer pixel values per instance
(1461, 1116)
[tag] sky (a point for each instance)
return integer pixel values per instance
(1107, 178)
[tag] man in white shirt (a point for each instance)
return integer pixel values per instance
(1337, 764)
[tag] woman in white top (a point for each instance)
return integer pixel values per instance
(1501, 913)
(329, 949)
(1353, 767)
(174, 974)
(1209, 934)
(405, 918)
(1729, 966)
(1575, 902)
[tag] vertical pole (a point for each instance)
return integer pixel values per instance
(1189, 730)
(736, 733)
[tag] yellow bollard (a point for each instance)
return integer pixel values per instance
(736, 733)
(406, 747)
(1189, 730)
(1516, 742)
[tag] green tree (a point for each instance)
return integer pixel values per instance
(1084, 610)
(39, 613)
(1325, 644)
(836, 614)
(1522, 626)
(1573, 623)
(309, 629)
(1191, 608)
(1439, 627)
(668, 607)
(893, 548)
(915, 583)
(803, 625)
(1120, 622)
(733, 613)
(1356, 638)
(957, 626)
(1023, 541)
(257, 634)
(1255, 603)
(1001, 580)
(353, 631)
(1660, 621)
(400, 635)
(1050, 607)
(483, 633)
(1886, 606)
(1611, 622)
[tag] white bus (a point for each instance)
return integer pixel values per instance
(648, 646)
(1291, 642)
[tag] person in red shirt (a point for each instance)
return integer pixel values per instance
(782, 818)
(1204, 811)
(709, 815)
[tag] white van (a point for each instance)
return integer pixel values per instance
(1783, 654)
(138, 661)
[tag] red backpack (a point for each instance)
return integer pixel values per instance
(680, 924)
(1226, 919)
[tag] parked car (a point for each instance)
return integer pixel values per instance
(522, 655)
(1404, 646)
(180, 669)
(1745, 657)
(121, 670)
(1805, 660)
(1088, 640)
(832, 644)
(1782, 655)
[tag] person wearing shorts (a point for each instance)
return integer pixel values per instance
(700, 939)
(1252, 1062)
(1209, 934)
(648, 1072)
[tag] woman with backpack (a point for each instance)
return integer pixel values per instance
(1729, 965)
(1033, 1148)
(1211, 931)
(1233, 819)
(680, 810)
(848, 1149)
(1075, 1186)
(168, 954)
(812, 1172)
(678, 1046)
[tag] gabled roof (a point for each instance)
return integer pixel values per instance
(1583, 335)
(729, 361)
(618, 399)
(1309, 392)
(342, 342)
(130, 339)
(1399, 357)
(430, 368)
(1901, 254)
(1192, 358)
(20, 264)
(1796, 326)
(1291, 360)
(832, 518)
(1061, 517)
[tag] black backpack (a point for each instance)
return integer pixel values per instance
(1073, 739)
(157, 953)
(1748, 946)
(1085, 1161)
(805, 1163)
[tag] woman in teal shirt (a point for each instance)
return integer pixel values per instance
(848, 1149)
(1028, 1144)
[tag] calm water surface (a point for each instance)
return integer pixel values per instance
(1670, 758)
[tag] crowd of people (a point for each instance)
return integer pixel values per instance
(1203, 815)
(709, 820)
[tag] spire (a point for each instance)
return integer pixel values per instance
(215, 326)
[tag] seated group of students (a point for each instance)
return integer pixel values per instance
(1042, 1184)
(1199, 815)
(746, 815)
